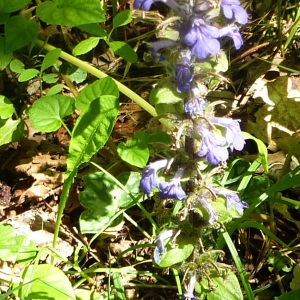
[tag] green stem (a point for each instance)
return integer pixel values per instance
(92, 70)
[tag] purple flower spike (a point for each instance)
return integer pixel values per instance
(232, 199)
(184, 73)
(149, 180)
(233, 132)
(195, 107)
(234, 34)
(172, 188)
(202, 38)
(213, 147)
(232, 9)
(159, 244)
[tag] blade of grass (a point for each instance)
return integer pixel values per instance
(242, 274)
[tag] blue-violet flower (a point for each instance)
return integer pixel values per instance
(172, 188)
(194, 107)
(159, 244)
(200, 203)
(232, 199)
(149, 179)
(202, 38)
(232, 9)
(189, 294)
(213, 146)
(184, 73)
(234, 34)
(233, 132)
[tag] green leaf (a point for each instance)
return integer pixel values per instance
(293, 295)
(10, 130)
(103, 198)
(124, 50)
(50, 78)
(27, 75)
(122, 19)
(104, 86)
(13, 247)
(19, 32)
(46, 114)
(4, 58)
(92, 130)
(94, 29)
(86, 46)
(184, 248)
(45, 282)
(295, 283)
(134, 152)
(55, 89)
(16, 66)
(78, 76)
(8, 6)
(70, 12)
(227, 286)
(166, 99)
(50, 59)
(6, 108)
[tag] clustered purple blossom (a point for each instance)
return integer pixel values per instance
(169, 189)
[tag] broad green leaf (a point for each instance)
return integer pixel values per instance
(119, 286)
(19, 32)
(104, 86)
(122, 19)
(78, 76)
(55, 89)
(46, 114)
(4, 58)
(227, 286)
(45, 282)
(92, 130)
(70, 12)
(295, 283)
(94, 29)
(28, 74)
(13, 247)
(293, 295)
(10, 130)
(86, 46)
(124, 50)
(8, 6)
(166, 99)
(134, 152)
(50, 78)
(174, 255)
(50, 59)
(16, 66)
(103, 198)
(6, 108)
(4, 18)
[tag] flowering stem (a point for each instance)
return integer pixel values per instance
(94, 71)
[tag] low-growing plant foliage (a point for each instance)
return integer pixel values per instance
(185, 161)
